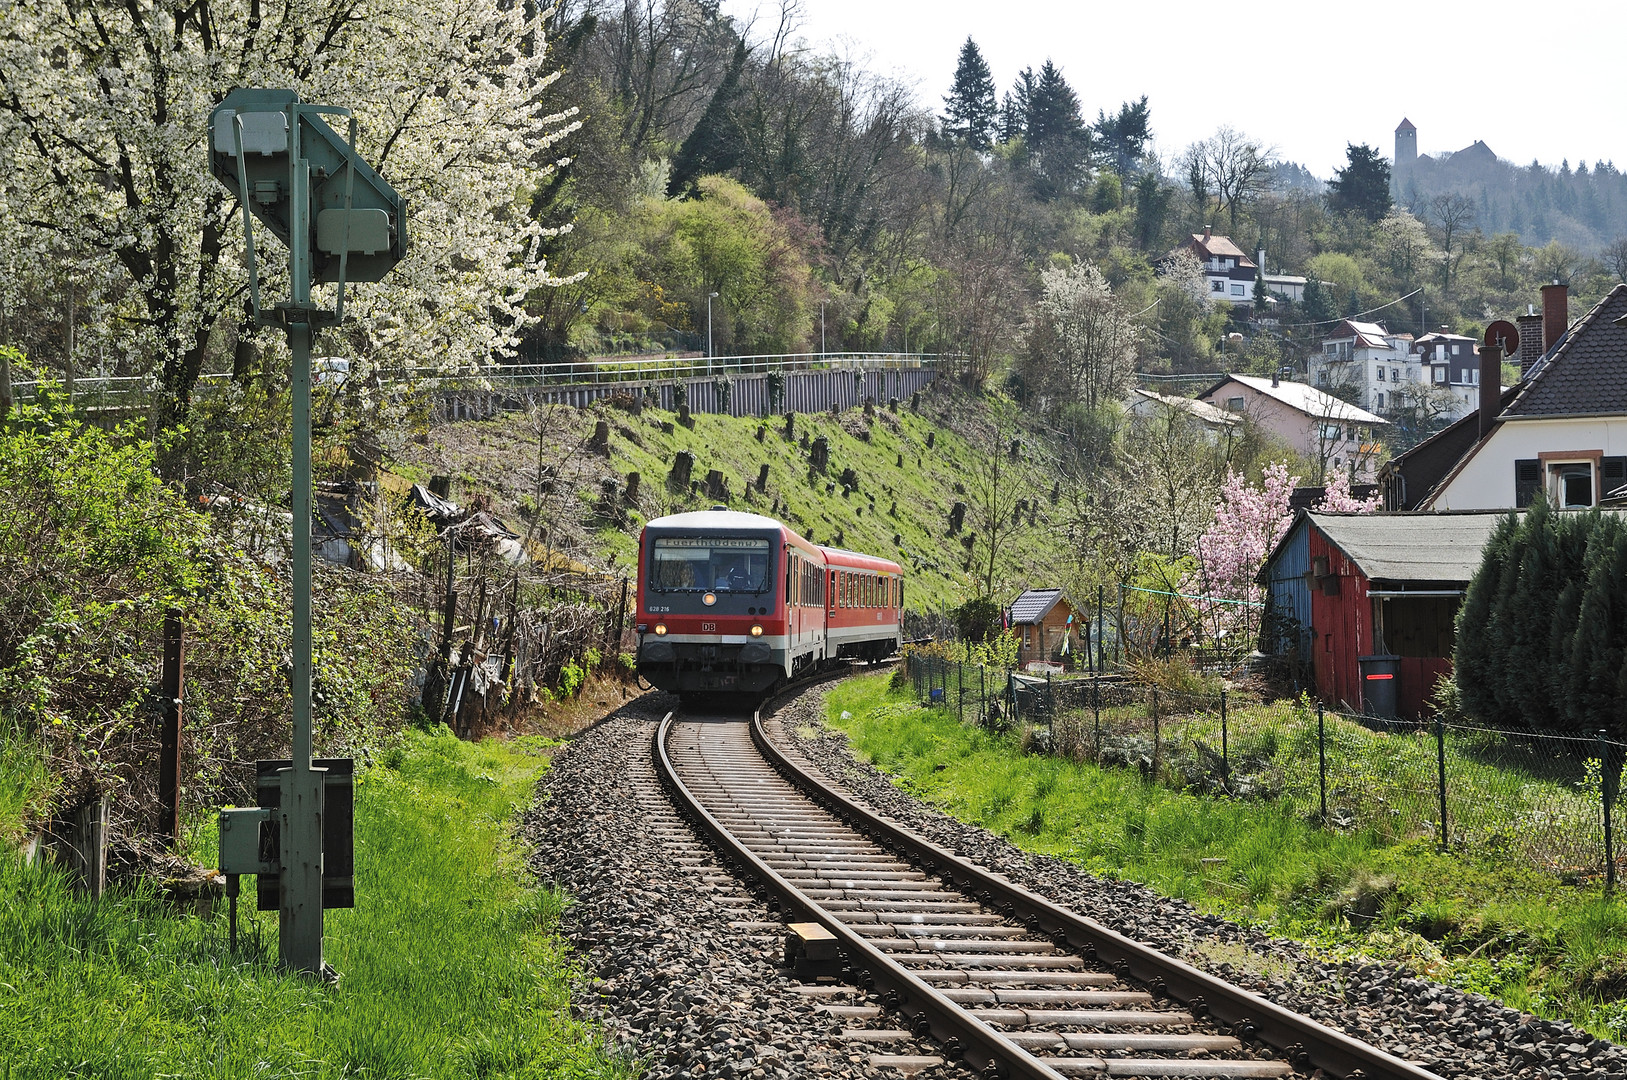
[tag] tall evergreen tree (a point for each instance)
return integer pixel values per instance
(1474, 660)
(1059, 143)
(1014, 108)
(1362, 186)
(970, 112)
(1123, 137)
(1152, 200)
(1318, 302)
(715, 145)
(1598, 630)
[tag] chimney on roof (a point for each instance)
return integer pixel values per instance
(1530, 325)
(1555, 314)
(1491, 385)
(1207, 230)
(1260, 258)
(1274, 376)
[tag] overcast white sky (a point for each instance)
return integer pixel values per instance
(1539, 80)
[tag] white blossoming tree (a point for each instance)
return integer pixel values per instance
(103, 113)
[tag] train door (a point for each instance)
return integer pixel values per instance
(831, 648)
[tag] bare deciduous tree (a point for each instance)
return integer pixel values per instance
(1230, 166)
(1453, 216)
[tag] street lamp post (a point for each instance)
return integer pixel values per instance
(822, 304)
(709, 298)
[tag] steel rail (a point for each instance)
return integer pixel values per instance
(1304, 1042)
(946, 1021)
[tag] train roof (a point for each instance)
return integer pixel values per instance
(858, 560)
(714, 519)
(734, 520)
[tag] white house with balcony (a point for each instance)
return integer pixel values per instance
(1228, 271)
(1449, 362)
(1368, 361)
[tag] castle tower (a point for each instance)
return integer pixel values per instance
(1406, 144)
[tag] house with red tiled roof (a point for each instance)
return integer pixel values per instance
(1561, 433)
(1229, 272)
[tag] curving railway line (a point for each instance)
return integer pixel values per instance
(1000, 978)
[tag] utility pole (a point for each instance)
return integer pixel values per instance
(709, 298)
(267, 148)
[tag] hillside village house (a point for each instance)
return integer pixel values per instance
(1369, 360)
(1561, 432)
(1044, 623)
(1451, 361)
(1216, 424)
(1229, 272)
(1335, 434)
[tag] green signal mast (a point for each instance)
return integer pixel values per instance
(341, 222)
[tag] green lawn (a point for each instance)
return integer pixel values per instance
(1476, 919)
(451, 966)
(906, 488)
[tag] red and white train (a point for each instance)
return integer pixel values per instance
(735, 602)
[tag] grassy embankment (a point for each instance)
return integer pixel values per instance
(1476, 920)
(450, 963)
(498, 457)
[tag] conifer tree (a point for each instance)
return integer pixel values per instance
(1598, 628)
(1059, 143)
(1014, 107)
(1472, 661)
(1362, 186)
(970, 112)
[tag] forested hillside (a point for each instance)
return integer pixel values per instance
(826, 206)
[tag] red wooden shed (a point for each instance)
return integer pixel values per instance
(1385, 589)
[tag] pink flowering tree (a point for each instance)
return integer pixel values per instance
(1248, 523)
(1337, 498)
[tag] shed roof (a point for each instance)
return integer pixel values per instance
(1034, 604)
(1443, 547)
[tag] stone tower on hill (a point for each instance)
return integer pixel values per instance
(1406, 144)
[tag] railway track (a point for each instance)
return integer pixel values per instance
(1000, 978)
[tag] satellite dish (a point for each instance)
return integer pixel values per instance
(1503, 335)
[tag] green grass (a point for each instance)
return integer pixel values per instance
(499, 455)
(1473, 918)
(451, 966)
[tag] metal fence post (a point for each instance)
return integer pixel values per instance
(1096, 708)
(1322, 760)
(982, 695)
(1156, 755)
(1225, 763)
(960, 692)
(1440, 762)
(1606, 768)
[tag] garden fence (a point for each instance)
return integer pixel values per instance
(1541, 799)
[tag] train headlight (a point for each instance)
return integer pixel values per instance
(660, 629)
(756, 631)
(709, 599)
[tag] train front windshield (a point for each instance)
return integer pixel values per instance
(709, 564)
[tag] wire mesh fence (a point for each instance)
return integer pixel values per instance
(1549, 801)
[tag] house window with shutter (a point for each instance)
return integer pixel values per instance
(1527, 480)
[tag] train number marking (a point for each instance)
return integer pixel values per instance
(708, 627)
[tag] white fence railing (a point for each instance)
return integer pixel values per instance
(124, 391)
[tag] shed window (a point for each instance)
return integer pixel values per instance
(1234, 404)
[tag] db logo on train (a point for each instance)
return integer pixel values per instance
(708, 627)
